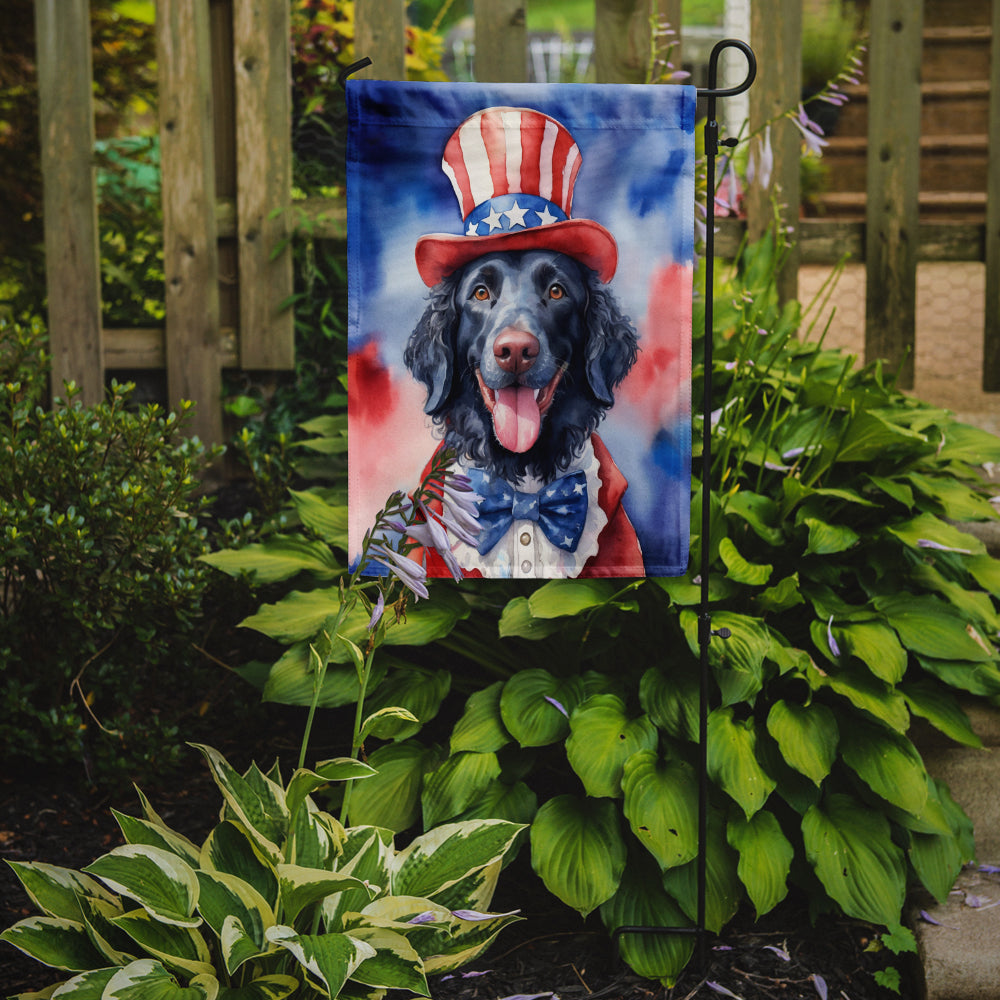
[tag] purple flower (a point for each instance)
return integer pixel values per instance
(558, 705)
(927, 543)
(834, 648)
(820, 983)
(427, 917)
(780, 952)
(410, 573)
(475, 915)
(719, 988)
(377, 612)
(761, 163)
(811, 132)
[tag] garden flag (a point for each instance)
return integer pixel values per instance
(520, 278)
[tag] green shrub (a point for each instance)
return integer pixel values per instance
(279, 900)
(101, 587)
(855, 605)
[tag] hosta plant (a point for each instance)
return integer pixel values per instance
(279, 900)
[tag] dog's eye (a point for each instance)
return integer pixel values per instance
(556, 291)
(481, 293)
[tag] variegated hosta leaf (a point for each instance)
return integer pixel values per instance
(602, 737)
(274, 987)
(661, 805)
(481, 727)
(367, 853)
(329, 959)
(86, 986)
(158, 880)
(723, 889)
(642, 902)
(147, 979)
(315, 838)
(466, 941)
(54, 941)
(300, 887)
(476, 890)
(225, 897)
(765, 858)
(456, 784)
(256, 801)
(732, 760)
(56, 891)
(578, 851)
(116, 947)
(304, 782)
(391, 799)
(141, 831)
(177, 947)
(395, 964)
(441, 857)
(888, 763)
(807, 736)
(850, 847)
(230, 849)
(535, 706)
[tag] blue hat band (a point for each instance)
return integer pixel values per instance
(512, 213)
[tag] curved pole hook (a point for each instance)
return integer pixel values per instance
(353, 68)
(712, 90)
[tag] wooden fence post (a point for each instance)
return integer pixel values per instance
(262, 61)
(190, 251)
(72, 255)
(501, 41)
(776, 35)
(380, 34)
(892, 214)
(622, 40)
(991, 332)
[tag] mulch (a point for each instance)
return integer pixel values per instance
(552, 951)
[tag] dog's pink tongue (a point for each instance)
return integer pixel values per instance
(516, 418)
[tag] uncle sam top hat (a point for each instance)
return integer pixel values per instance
(513, 171)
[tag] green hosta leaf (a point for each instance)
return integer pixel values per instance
(159, 881)
(965, 443)
(732, 760)
(560, 598)
(986, 571)
(516, 803)
(54, 941)
(893, 488)
(864, 691)
(395, 964)
(941, 709)
(850, 847)
(275, 987)
(957, 501)
(602, 738)
(578, 851)
(671, 700)
(783, 595)
(976, 678)
(684, 592)
(147, 979)
(225, 897)
(481, 728)
(438, 859)
(517, 620)
(765, 858)
(56, 891)
(723, 889)
(738, 661)
(641, 901)
(180, 948)
(876, 646)
(418, 691)
(260, 809)
(535, 706)
(937, 858)
(456, 784)
(828, 539)
(141, 831)
(928, 528)
(327, 520)
(304, 782)
(330, 959)
(738, 569)
(279, 558)
(869, 436)
(292, 680)
(976, 605)
(387, 723)
(231, 850)
(931, 628)
(807, 736)
(758, 511)
(391, 798)
(888, 763)
(301, 887)
(661, 800)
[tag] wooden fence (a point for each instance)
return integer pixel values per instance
(226, 161)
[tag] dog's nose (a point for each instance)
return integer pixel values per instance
(515, 350)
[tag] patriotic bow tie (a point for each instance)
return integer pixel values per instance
(560, 509)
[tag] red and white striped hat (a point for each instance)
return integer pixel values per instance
(513, 171)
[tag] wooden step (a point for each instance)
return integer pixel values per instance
(957, 206)
(947, 162)
(945, 12)
(956, 53)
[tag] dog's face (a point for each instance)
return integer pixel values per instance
(520, 352)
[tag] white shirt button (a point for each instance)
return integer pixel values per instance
(525, 537)
(526, 566)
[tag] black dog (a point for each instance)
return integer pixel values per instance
(520, 352)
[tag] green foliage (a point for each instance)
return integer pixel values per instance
(101, 587)
(280, 899)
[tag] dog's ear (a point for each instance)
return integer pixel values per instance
(611, 343)
(430, 351)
